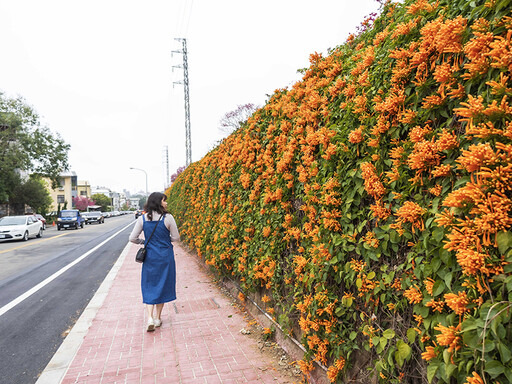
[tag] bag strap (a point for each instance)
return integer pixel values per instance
(156, 225)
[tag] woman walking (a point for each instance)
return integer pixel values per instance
(158, 279)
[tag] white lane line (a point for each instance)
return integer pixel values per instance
(58, 366)
(48, 280)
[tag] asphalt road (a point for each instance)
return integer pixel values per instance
(32, 331)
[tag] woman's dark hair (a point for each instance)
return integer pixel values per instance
(154, 203)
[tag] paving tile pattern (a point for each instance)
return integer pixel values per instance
(199, 340)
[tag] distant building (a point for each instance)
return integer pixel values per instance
(115, 196)
(84, 189)
(116, 199)
(62, 196)
(122, 200)
(101, 190)
(133, 202)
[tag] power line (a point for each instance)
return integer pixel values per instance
(189, 16)
(183, 18)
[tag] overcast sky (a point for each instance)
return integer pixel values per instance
(99, 73)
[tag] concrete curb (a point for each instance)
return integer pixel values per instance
(59, 364)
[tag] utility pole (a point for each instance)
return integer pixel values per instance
(188, 143)
(166, 164)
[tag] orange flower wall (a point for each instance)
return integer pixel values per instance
(370, 204)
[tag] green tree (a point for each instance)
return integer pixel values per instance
(101, 199)
(34, 193)
(26, 145)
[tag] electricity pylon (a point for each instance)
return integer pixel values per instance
(188, 141)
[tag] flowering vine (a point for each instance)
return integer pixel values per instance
(369, 206)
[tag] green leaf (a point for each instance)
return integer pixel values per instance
(447, 356)
(352, 335)
(508, 281)
(388, 334)
(505, 353)
(462, 181)
(469, 365)
(438, 288)
(469, 324)
(411, 335)
(438, 234)
(390, 356)
(394, 237)
(445, 257)
(421, 310)
(508, 374)
(504, 240)
(435, 263)
(403, 352)
(448, 280)
(489, 346)
(450, 369)
(494, 368)
(431, 371)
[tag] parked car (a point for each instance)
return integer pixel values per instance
(70, 218)
(41, 219)
(20, 227)
(85, 215)
(93, 217)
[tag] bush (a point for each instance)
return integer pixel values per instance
(371, 202)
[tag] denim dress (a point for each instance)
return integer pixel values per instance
(158, 280)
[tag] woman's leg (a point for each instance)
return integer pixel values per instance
(149, 308)
(151, 322)
(159, 308)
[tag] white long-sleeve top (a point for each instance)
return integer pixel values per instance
(169, 222)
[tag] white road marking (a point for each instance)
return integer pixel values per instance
(48, 280)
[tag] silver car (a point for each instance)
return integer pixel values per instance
(20, 227)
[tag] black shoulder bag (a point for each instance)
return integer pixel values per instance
(141, 253)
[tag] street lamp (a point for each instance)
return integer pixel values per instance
(138, 169)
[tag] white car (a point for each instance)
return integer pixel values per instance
(20, 227)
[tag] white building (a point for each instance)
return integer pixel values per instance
(133, 202)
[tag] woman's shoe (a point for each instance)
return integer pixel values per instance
(158, 322)
(151, 325)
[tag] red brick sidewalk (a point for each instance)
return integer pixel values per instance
(199, 341)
